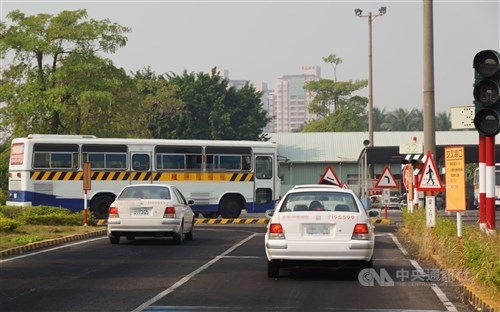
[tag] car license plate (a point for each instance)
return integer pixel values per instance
(317, 229)
(141, 212)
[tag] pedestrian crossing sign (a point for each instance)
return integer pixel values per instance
(429, 176)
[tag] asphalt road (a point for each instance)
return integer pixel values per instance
(222, 269)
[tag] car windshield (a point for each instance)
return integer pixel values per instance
(149, 192)
(319, 201)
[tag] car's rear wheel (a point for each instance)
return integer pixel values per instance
(189, 235)
(179, 237)
(367, 264)
(273, 268)
(114, 239)
(230, 207)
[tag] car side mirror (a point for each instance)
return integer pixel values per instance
(373, 213)
(190, 202)
(269, 213)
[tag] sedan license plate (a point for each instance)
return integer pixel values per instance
(140, 212)
(318, 229)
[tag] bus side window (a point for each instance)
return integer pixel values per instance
(193, 161)
(140, 162)
(41, 160)
(55, 156)
(178, 157)
(264, 167)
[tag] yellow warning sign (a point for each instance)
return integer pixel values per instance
(454, 158)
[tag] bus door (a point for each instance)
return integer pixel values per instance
(140, 168)
(264, 182)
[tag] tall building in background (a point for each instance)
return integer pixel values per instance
(287, 104)
(291, 100)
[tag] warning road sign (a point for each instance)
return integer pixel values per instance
(386, 179)
(429, 176)
(329, 177)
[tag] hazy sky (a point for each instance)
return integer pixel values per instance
(264, 40)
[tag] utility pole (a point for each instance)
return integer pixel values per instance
(429, 106)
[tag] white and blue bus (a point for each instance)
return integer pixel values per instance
(222, 177)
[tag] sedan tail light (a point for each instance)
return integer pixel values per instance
(113, 212)
(361, 232)
(169, 212)
(276, 231)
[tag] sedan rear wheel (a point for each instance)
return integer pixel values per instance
(114, 239)
(273, 268)
(179, 237)
(367, 264)
(189, 235)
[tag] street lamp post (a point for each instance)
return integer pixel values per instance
(371, 17)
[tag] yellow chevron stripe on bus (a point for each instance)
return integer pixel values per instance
(142, 176)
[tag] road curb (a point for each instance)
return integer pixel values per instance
(232, 221)
(50, 242)
(468, 293)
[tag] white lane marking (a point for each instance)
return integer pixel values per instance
(52, 249)
(439, 293)
(186, 278)
(396, 241)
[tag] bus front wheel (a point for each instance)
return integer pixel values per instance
(100, 206)
(230, 207)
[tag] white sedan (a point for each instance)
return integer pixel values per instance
(318, 224)
(154, 210)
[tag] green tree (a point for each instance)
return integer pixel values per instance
(332, 97)
(160, 109)
(403, 120)
(350, 117)
(443, 122)
(57, 83)
(214, 110)
(378, 118)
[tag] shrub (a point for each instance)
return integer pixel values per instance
(45, 215)
(8, 225)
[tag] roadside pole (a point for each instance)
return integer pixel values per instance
(459, 238)
(87, 176)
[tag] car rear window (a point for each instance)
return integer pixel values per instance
(146, 192)
(319, 201)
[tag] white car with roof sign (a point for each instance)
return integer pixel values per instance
(154, 210)
(316, 225)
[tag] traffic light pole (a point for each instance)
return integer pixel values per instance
(490, 185)
(482, 182)
(486, 93)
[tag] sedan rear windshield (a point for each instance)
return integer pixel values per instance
(149, 192)
(319, 201)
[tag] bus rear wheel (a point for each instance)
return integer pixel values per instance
(100, 206)
(230, 207)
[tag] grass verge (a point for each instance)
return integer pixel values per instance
(476, 256)
(20, 226)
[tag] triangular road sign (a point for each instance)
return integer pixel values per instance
(329, 177)
(429, 176)
(386, 179)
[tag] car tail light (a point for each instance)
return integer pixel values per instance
(276, 231)
(113, 212)
(169, 212)
(361, 231)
